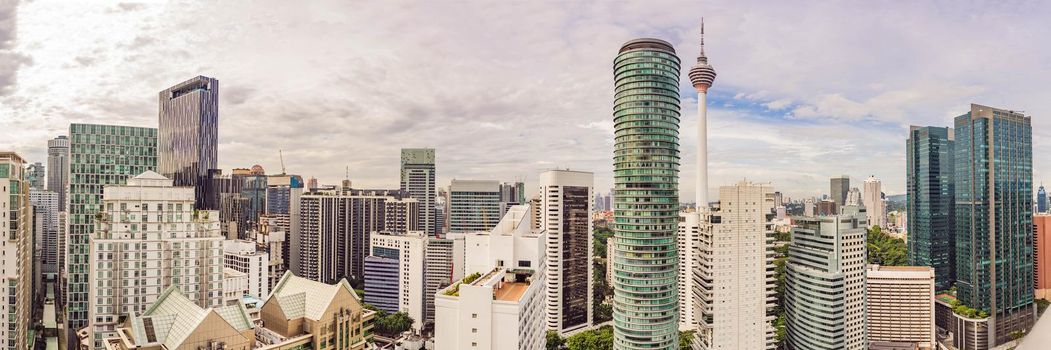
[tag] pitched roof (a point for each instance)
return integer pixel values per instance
(301, 297)
(173, 317)
(151, 175)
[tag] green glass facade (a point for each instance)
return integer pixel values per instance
(646, 209)
(99, 155)
(931, 204)
(994, 217)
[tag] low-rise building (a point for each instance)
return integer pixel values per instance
(306, 314)
(243, 256)
(174, 322)
(235, 286)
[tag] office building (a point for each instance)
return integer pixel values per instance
(500, 303)
(148, 237)
(511, 194)
(283, 193)
(825, 283)
(474, 205)
(1042, 255)
(58, 164)
(838, 188)
(401, 216)
(646, 167)
(244, 257)
(900, 306)
(174, 321)
(188, 134)
(45, 227)
(854, 197)
(306, 314)
(99, 155)
(733, 279)
(930, 188)
(394, 279)
(17, 248)
(872, 200)
(994, 218)
(1041, 200)
(254, 184)
(35, 176)
(335, 231)
(444, 263)
(418, 179)
(565, 198)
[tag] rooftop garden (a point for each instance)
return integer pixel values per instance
(455, 290)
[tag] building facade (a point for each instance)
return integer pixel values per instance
(58, 164)
(931, 200)
(566, 216)
(36, 176)
(872, 200)
(1041, 200)
(444, 263)
(17, 247)
(45, 227)
(838, 188)
(188, 134)
(1042, 255)
(148, 237)
(418, 178)
(306, 314)
(646, 176)
(244, 257)
(283, 193)
(474, 205)
(733, 279)
(99, 155)
(825, 284)
(174, 321)
(900, 305)
(994, 217)
(406, 254)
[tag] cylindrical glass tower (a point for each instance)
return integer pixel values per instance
(646, 209)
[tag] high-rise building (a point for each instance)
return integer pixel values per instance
(393, 274)
(444, 259)
(99, 155)
(825, 283)
(283, 194)
(827, 207)
(474, 205)
(499, 304)
(646, 173)
(188, 135)
(270, 239)
(873, 202)
(838, 188)
(809, 208)
(418, 178)
(733, 279)
(35, 176)
(243, 256)
(335, 231)
(566, 216)
(17, 248)
(45, 228)
(930, 202)
(900, 306)
(854, 197)
(147, 237)
(1041, 200)
(1042, 255)
(401, 216)
(511, 194)
(58, 163)
(994, 218)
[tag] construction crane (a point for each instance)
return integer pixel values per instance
(281, 154)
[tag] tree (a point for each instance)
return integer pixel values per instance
(685, 339)
(391, 325)
(595, 339)
(555, 341)
(884, 249)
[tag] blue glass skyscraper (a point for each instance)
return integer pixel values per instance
(1041, 200)
(187, 137)
(930, 205)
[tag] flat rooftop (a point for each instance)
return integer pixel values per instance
(510, 291)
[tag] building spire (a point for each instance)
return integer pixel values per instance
(702, 41)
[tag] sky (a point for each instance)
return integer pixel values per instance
(505, 90)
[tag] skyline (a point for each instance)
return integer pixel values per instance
(793, 83)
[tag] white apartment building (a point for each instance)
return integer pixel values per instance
(900, 305)
(566, 205)
(235, 286)
(875, 207)
(404, 260)
(16, 217)
(691, 223)
(443, 264)
(500, 304)
(270, 238)
(242, 256)
(148, 237)
(733, 281)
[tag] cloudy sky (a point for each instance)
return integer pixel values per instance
(504, 90)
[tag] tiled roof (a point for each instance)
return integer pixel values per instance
(173, 317)
(301, 297)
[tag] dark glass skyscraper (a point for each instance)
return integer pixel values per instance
(838, 188)
(994, 217)
(187, 137)
(1041, 200)
(646, 209)
(931, 205)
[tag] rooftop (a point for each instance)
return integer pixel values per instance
(510, 291)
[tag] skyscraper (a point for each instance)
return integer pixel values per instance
(566, 215)
(1041, 200)
(825, 284)
(930, 205)
(994, 217)
(900, 305)
(838, 188)
(17, 249)
(35, 176)
(283, 194)
(99, 155)
(417, 178)
(188, 136)
(474, 205)
(646, 171)
(872, 200)
(58, 163)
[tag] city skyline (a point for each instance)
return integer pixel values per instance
(848, 106)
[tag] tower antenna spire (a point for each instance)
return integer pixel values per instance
(702, 38)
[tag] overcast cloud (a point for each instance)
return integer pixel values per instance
(504, 90)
